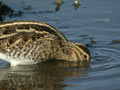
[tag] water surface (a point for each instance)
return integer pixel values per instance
(94, 22)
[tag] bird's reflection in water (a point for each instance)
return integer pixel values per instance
(45, 76)
(58, 4)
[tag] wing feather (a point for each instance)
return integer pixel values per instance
(20, 34)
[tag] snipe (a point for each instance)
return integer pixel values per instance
(30, 42)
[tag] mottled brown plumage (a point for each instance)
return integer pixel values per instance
(30, 42)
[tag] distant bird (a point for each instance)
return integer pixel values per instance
(59, 1)
(76, 4)
(31, 42)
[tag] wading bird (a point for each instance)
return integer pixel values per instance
(31, 42)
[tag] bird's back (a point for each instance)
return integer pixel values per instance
(28, 41)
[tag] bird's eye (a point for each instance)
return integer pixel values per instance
(85, 56)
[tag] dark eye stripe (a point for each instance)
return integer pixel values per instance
(84, 49)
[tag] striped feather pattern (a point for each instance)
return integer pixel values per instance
(29, 42)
